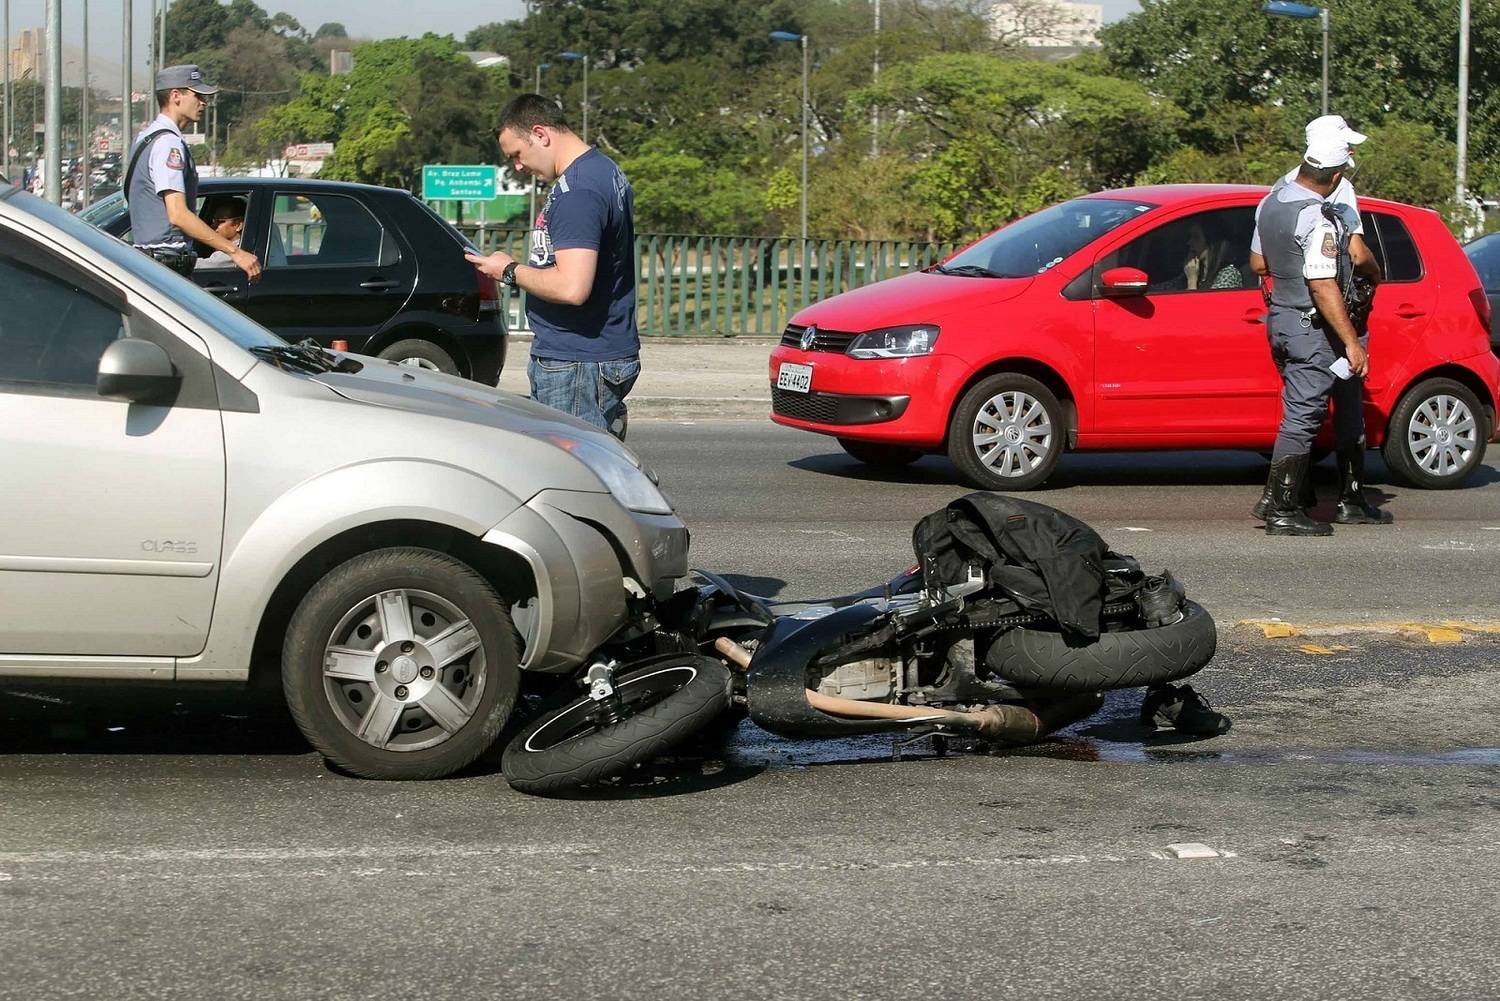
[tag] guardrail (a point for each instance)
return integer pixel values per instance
(730, 286)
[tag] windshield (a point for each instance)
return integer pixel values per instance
(105, 211)
(1032, 245)
(118, 256)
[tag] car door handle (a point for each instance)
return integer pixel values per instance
(1409, 312)
(1254, 316)
(218, 288)
(379, 283)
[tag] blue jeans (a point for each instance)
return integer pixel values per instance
(591, 390)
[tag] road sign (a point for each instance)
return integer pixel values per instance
(444, 182)
(309, 151)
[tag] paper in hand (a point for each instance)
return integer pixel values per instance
(1341, 368)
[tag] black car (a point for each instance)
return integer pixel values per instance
(374, 267)
(1484, 254)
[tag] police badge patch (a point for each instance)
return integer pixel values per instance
(174, 158)
(1330, 246)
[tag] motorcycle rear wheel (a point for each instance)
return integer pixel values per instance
(660, 703)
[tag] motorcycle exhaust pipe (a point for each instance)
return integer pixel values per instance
(1005, 723)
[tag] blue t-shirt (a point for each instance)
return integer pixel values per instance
(590, 207)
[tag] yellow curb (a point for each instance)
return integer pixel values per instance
(1322, 651)
(1276, 630)
(1450, 631)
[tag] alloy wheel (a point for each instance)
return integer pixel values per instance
(404, 670)
(1012, 433)
(1442, 435)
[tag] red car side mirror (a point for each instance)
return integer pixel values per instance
(1117, 282)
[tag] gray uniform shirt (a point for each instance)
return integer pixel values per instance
(166, 166)
(1300, 242)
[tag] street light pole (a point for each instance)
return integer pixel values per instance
(531, 182)
(161, 49)
(84, 139)
(1461, 179)
(875, 78)
(1286, 8)
(125, 80)
(792, 36)
(52, 143)
(7, 115)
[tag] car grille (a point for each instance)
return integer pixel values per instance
(803, 406)
(835, 341)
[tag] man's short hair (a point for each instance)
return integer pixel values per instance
(1319, 175)
(163, 96)
(526, 111)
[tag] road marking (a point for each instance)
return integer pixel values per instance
(1449, 631)
(1131, 528)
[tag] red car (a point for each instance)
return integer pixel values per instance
(1130, 319)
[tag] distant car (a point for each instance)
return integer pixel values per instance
(1130, 319)
(1484, 254)
(371, 266)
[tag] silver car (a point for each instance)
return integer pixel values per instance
(188, 498)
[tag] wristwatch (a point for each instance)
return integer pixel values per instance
(508, 276)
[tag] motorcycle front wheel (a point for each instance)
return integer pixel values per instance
(656, 705)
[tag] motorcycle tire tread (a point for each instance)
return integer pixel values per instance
(1134, 658)
(606, 753)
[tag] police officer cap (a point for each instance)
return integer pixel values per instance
(186, 77)
(1330, 141)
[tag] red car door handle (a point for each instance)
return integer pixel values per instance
(1254, 316)
(1409, 312)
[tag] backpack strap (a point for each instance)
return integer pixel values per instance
(136, 159)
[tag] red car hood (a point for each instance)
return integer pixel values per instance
(919, 297)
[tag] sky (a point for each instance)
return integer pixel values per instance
(378, 19)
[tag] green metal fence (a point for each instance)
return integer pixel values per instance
(729, 286)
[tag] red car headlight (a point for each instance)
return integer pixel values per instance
(895, 342)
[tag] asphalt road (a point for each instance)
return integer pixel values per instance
(188, 845)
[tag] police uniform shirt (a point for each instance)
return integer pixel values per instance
(1342, 199)
(167, 166)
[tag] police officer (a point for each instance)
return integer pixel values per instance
(1303, 240)
(161, 183)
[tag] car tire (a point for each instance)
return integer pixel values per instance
(1130, 658)
(401, 664)
(1007, 433)
(670, 698)
(420, 354)
(874, 453)
(1437, 435)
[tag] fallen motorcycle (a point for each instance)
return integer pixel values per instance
(966, 643)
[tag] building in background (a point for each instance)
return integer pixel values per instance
(1048, 24)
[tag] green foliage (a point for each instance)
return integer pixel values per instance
(677, 192)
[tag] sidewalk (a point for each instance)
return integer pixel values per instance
(682, 378)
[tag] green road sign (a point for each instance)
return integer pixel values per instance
(444, 182)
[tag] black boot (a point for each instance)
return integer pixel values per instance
(1354, 509)
(1307, 498)
(1284, 516)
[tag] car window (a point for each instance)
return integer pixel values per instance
(1402, 263)
(1033, 245)
(322, 229)
(1204, 252)
(219, 208)
(1485, 254)
(51, 331)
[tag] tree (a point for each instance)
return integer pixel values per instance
(677, 192)
(196, 25)
(330, 29)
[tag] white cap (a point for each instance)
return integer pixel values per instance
(1328, 140)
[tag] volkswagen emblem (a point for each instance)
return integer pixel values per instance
(809, 337)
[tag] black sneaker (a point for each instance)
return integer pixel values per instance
(1183, 709)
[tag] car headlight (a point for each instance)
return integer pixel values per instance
(895, 342)
(629, 482)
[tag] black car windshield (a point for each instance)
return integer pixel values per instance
(1484, 253)
(118, 256)
(1041, 241)
(105, 210)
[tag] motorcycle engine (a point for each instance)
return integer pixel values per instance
(862, 679)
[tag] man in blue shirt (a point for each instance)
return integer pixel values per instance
(579, 275)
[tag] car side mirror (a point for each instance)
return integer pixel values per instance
(1119, 282)
(137, 371)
